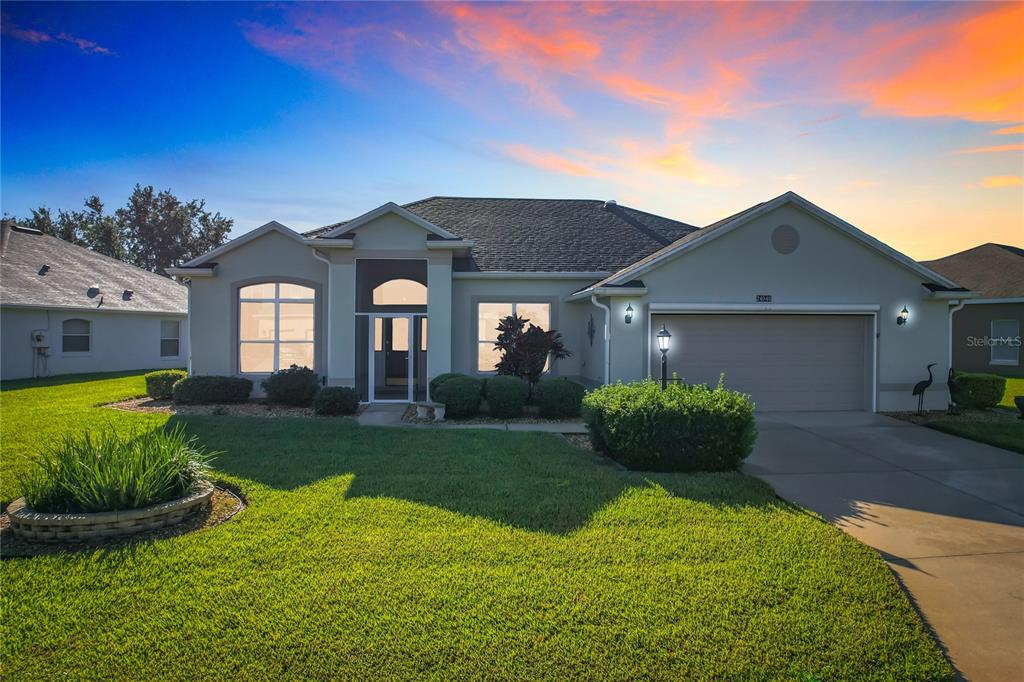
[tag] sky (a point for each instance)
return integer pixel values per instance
(905, 119)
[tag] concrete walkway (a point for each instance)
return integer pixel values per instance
(947, 514)
(391, 415)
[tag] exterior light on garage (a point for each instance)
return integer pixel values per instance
(629, 314)
(663, 340)
(901, 319)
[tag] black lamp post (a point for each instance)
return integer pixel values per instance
(663, 338)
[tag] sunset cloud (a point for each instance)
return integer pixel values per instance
(998, 181)
(549, 161)
(1010, 130)
(1017, 147)
(34, 37)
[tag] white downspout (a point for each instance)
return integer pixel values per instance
(327, 300)
(957, 306)
(607, 337)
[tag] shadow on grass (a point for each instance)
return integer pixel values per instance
(67, 379)
(528, 480)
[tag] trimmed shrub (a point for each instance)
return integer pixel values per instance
(683, 428)
(211, 389)
(331, 400)
(109, 471)
(506, 396)
(160, 384)
(293, 386)
(436, 382)
(979, 391)
(558, 398)
(461, 397)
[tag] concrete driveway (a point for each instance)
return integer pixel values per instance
(947, 514)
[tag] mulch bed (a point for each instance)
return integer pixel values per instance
(252, 408)
(995, 416)
(530, 417)
(227, 501)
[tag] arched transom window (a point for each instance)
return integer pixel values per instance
(276, 327)
(400, 292)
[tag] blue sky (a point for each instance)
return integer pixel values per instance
(890, 115)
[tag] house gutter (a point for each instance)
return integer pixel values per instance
(957, 305)
(607, 336)
(327, 353)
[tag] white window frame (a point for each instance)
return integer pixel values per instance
(77, 353)
(515, 306)
(994, 342)
(276, 342)
(169, 338)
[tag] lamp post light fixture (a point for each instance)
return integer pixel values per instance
(901, 319)
(629, 314)
(663, 340)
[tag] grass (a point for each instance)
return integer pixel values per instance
(371, 553)
(1008, 435)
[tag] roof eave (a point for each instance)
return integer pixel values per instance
(192, 272)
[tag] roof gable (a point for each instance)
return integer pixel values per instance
(390, 207)
(272, 226)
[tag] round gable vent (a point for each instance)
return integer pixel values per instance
(785, 239)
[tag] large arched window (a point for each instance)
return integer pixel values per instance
(76, 336)
(276, 327)
(400, 292)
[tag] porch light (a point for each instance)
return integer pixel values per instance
(901, 319)
(629, 314)
(663, 340)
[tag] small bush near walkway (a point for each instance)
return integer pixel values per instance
(211, 389)
(160, 384)
(460, 396)
(506, 396)
(683, 428)
(979, 391)
(436, 382)
(293, 386)
(334, 400)
(559, 398)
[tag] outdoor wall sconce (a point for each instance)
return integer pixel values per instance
(629, 314)
(663, 341)
(901, 319)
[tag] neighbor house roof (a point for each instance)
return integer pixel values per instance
(993, 270)
(544, 235)
(40, 271)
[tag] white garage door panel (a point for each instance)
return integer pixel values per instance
(786, 362)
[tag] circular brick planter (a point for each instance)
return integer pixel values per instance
(44, 527)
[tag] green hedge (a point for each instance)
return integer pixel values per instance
(160, 384)
(293, 386)
(212, 389)
(683, 428)
(506, 396)
(332, 400)
(460, 396)
(979, 391)
(436, 382)
(558, 398)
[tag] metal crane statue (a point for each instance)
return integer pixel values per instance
(954, 386)
(922, 386)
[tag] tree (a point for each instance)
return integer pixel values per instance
(525, 350)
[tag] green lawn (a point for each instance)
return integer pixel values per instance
(379, 553)
(1008, 435)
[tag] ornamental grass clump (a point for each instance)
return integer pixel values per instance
(682, 428)
(108, 471)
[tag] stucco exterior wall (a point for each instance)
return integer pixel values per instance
(974, 321)
(119, 342)
(828, 267)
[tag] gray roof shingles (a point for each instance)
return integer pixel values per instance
(993, 270)
(546, 235)
(72, 271)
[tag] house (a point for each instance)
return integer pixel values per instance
(66, 310)
(791, 303)
(986, 330)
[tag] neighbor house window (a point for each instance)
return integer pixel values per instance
(76, 336)
(488, 317)
(275, 327)
(170, 338)
(1005, 342)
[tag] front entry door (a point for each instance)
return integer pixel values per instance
(397, 358)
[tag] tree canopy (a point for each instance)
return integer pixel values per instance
(154, 230)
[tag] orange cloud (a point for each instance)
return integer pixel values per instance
(997, 181)
(994, 148)
(549, 161)
(1010, 130)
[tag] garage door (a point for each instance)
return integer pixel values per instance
(785, 362)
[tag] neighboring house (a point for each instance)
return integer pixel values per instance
(66, 310)
(794, 305)
(987, 330)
